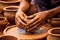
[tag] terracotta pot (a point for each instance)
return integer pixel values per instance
(54, 34)
(21, 34)
(10, 12)
(59, 15)
(8, 37)
(4, 3)
(3, 23)
(54, 22)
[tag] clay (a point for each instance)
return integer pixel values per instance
(3, 23)
(10, 12)
(21, 34)
(54, 22)
(8, 37)
(4, 3)
(54, 34)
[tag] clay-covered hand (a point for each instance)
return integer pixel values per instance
(21, 19)
(38, 19)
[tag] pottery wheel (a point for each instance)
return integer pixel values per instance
(21, 34)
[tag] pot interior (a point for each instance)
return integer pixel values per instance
(55, 31)
(11, 8)
(8, 38)
(2, 19)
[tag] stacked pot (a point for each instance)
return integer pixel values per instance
(8, 9)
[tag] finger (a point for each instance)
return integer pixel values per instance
(23, 17)
(32, 16)
(34, 23)
(19, 25)
(19, 20)
(38, 27)
(34, 26)
(33, 20)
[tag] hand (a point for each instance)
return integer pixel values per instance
(36, 27)
(21, 19)
(38, 20)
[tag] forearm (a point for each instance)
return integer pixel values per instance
(53, 12)
(24, 5)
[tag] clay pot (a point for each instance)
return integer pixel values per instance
(10, 12)
(54, 34)
(3, 23)
(21, 34)
(8, 37)
(4, 3)
(54, 22)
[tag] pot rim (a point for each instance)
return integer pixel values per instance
(4, 18)
(5, 8)
(9, 36)
(50, 31)
(4, 32)
(54, 19)
(10, 2)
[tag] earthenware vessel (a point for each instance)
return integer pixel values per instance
(4, 3)
(21, 34)
(54, 22)
(8, 37)
(10, 12)
(54, 34)
(3, 23)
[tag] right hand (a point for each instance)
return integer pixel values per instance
(21, 19)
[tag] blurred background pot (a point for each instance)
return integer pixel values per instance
(8, 37)
(4, 3)
(10, 12)
(54, 34)
(54, 22)
(3, 23)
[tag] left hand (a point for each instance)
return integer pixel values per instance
(37, 20)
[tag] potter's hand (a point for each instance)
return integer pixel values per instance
(21, 19)
(37, 21)
(42, 16)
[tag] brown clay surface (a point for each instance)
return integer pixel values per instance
(21, 34)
